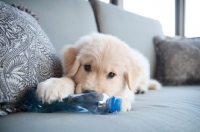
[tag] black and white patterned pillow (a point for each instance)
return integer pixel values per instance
(27, 56)
(178, 61)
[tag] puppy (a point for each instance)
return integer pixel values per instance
(102, 63)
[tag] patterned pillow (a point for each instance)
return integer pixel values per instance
(178, 61)
(27, 57)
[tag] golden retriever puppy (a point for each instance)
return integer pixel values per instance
(102, 63)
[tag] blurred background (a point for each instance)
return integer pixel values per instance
(178, 17)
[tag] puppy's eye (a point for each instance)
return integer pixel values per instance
(87, 68)
(110, 75)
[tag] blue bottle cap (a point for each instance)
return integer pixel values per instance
(115, 104)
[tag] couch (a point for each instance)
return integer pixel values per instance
(171, 109)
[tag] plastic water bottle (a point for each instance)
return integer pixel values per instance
(87, 102)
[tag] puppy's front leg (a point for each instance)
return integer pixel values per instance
(127, 98)
(55, 89)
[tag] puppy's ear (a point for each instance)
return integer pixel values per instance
(69, 62)
(132, 74)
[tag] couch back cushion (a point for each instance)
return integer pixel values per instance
(135, 30)
(64, 21)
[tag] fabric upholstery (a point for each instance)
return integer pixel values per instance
(64, 21)
(170, 109)
(27, 57)
(135, 30)
(178, 61)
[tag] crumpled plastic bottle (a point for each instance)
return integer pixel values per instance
(86, 102)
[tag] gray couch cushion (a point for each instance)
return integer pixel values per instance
(64, 21)
(170, 109)
(135, 30)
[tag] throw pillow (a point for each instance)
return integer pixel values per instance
(178, 61)
(27, 56)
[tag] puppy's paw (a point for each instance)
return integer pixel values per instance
(140, 92)
(55, 89)
(126, 106)
(141, 89)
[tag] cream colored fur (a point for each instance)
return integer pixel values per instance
(55, 89)
(105, 54)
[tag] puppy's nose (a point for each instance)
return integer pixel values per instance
(88, 91)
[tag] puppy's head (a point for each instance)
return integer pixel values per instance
(102, 63)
